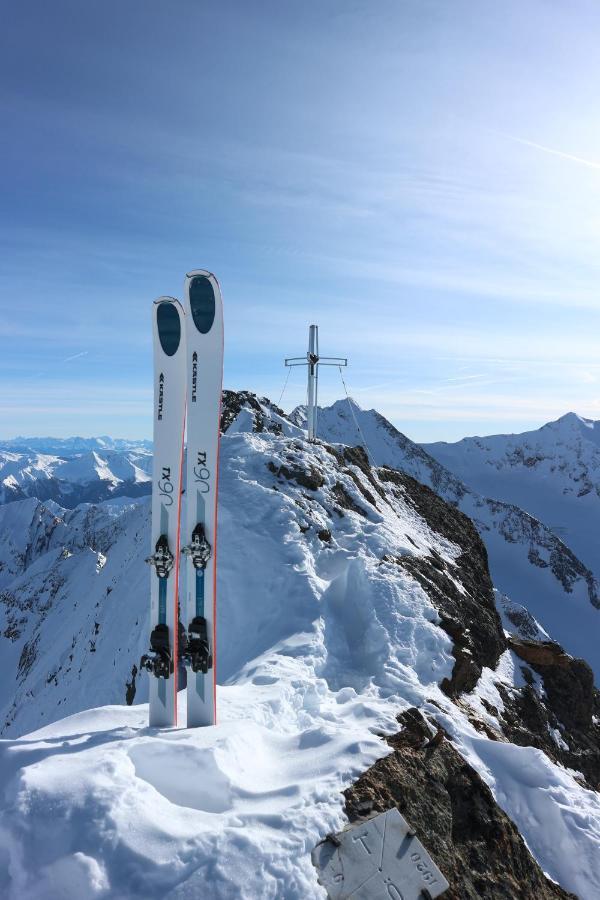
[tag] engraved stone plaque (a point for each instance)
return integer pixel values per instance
(378, 859)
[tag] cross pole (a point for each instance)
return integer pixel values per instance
(313, 361)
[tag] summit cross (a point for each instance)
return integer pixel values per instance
(313, 361)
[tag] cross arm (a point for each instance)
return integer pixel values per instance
(332, 361)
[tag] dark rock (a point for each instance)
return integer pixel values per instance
(344, 499)
(130, 686)
(540, 653)
(568, 682)
(233, 402)
(356, 456)
(311, 479)
(469, 618)
(570, 693)
(28, 656)
(474, 843)
(563, 718)
(363, 490)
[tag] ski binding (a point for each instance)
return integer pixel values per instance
(199, 550)
(158, 661)
(162, 559)
(197, 652)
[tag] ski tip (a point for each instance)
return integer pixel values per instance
(202, 272)
(166, 299)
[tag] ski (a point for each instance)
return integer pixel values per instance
(169, 420)
(204, 350)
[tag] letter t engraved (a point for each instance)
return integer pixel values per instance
(361, 838)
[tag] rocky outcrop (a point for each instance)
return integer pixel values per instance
(308, 477)
(558, 709)
(474, 843)
(461, 592)
(263, 415)
(540, 653)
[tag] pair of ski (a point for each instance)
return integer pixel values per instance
(188, 370)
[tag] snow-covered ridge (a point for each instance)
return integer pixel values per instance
(86, 566)
(329, 626)
(529, 561)
(553, 473)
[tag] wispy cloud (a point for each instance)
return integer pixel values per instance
(465, 378)
(75, 356)
(552, 151)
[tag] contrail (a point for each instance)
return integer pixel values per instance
(577, 159)
(75, 356)
(466, 377)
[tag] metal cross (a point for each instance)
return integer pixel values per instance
(313, 361)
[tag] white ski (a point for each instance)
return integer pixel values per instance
(169, 422)
(204, 348)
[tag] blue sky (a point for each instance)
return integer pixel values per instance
(420, 178)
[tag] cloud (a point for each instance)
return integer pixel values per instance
(75, 356)
(591, 164)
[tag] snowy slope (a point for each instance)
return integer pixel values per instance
(323, 639)
(528, 561)
(553, 473)
(71, 631)
(75, 587)
(232, 812)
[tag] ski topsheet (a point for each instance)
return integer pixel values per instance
(169, 421)
(204, 349)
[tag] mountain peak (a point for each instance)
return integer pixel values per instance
(572, 423)
(574, 418)
(343, 402)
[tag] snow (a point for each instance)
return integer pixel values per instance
(574, 624)
(559, 819)
(29, 472)
(516, 619)
(233, 811)
(553, 473)
(487, 468)
(321, 645)
(323, 648)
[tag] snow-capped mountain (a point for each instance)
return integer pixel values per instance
(349, 594)
(50, 446)
(85, 471)
(528, 561)
(553, 473)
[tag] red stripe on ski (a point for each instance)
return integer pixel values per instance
(177, 555)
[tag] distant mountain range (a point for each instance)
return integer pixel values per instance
(70, 446)
(535, 498)
(553, 473)
(74, 470)
(530, 561)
